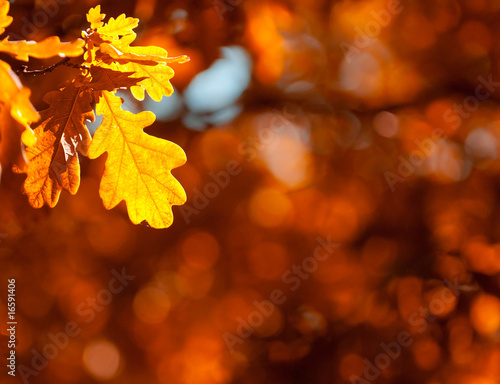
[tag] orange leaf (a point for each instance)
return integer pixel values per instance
(11, 151)
(138, 166)
(5, 20)
(49, 47)
(12, 93)
(53, 161)
(17, 114)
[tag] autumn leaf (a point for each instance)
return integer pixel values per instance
(16, 96)
(139, 60)
(109, 50)
(138, 166)
(53, 162)
(142, 55)
(104, 79)
(10, 139)
(49, 47)
(16, 115)
(16, 111)
(95, 17)
(122, 26)
(5, 20)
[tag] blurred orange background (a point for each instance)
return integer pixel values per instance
(343, 191)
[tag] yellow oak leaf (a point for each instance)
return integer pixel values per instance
(123, 43)
(95, 17)
(49, 47)
(138, 166)
(150, 55)
(120, 26)
(105, 49)
(157, 82)
(5, 20)
(156, 79)
(53, 162)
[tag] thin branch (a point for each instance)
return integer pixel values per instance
(36, 72)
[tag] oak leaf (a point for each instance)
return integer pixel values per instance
(14, 98)
(95, 17)
(16, 115)
(138, 166)
(5, 19)
(49, 47)
(110, 48)
(122, 26)
(138, 60)
(22, 50)
(53, 162)
(104, 79)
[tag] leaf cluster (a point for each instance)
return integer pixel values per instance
(138, 166)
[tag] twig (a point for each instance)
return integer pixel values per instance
(36, 72)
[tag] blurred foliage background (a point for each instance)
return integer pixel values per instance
(372, 123)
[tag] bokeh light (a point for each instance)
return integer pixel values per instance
(342, 205)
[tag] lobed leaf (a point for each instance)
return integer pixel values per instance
(53, 162)
(105, 79)
(49, 47)
(121, 26)
(148, 63)
(95, 17)
(5, 19)
(143, 55)
(156, 82)
(138, 166)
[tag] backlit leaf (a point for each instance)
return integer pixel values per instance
(138, 165)
(95, 17)
(141, 55)
(53, 162)
(17, 114)
(5, 20)
(119, 27)
(49, 47)
(104, 79)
